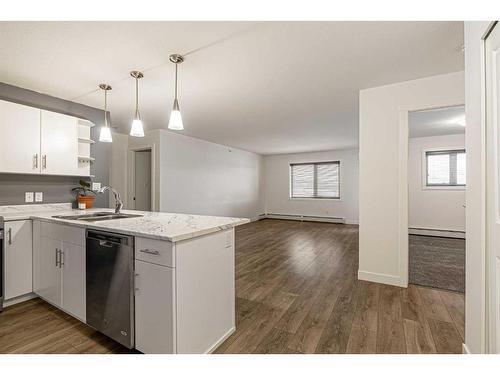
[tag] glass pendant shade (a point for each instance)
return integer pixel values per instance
(137, 129)
(105, 134)
(175, 122)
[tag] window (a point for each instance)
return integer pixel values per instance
(445, 168)
(315, 180)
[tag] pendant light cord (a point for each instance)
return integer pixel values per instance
(176, 81)
(105, 108)
(136, 96)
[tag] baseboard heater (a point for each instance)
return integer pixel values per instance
(326, 219)
(437, 232)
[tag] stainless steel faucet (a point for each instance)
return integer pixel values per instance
(118, 198)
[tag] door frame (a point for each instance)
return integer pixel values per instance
(403, 236)
(491, 286)
(131, 172)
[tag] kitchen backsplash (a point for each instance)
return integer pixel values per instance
(55, 189)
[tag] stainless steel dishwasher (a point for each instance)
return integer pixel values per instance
(110, 285)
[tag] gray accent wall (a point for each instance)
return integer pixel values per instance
(56, 189)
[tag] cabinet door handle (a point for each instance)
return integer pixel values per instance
(148, 251)
(44, 161)
(35, 161)
(57, 252)
(9, 232)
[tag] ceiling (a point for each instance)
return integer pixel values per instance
(266, 87)
(434, 122)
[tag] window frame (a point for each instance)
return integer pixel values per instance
(437, 151)
(316, 198)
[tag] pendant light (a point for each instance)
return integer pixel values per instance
(175, 122)
(137, 130)
(105, 134)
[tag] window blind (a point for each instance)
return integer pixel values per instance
(315, 180)
(445, 168)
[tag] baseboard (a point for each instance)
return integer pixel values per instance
(257, 218)
(323, 219)
(351, 222)
(465, 349)
(437, 232)
(16, 300)
(221, 340)
(379, 278)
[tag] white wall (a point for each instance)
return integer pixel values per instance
(475, 286)
(383, 164)
(277, 186)
(200, 177)
(118, 168)
(433, 208)
(191, 175)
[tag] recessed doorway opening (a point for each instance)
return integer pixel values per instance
(436, 198)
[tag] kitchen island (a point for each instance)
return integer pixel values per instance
(184, 297)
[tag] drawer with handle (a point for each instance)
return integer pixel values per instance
(154, 251)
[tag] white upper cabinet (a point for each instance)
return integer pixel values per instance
(34, 141)
(59, 144)
(19, 138)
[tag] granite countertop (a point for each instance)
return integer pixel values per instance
(157, 225)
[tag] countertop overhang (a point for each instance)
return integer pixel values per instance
(164, 226)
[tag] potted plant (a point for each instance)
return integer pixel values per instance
(84, 194)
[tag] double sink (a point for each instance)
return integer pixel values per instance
(97, 216)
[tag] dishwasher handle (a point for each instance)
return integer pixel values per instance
(109, 239)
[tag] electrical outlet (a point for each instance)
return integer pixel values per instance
(96, 185)
(38, 196)
(28, 197)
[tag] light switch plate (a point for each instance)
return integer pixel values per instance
(28, 197)
(38, 196)
(96, 185)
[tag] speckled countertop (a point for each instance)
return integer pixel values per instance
(158, 225)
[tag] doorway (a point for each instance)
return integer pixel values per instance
(142, 180)
(436, 198)
(492, 48)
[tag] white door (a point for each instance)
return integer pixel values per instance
(50, 272)
(73, 280)
(59, 144)
(142, 180)
(154, 309)
(18, 258)
(493, 184)
(19, 138)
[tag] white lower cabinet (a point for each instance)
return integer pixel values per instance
(59, 266)
(184, 298)
(73, 280)
(49, 273)
(154, 308)
(18, 258)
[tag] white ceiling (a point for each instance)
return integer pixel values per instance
(442, 121)
(267, 87)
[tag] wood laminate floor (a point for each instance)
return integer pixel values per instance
(297, 292)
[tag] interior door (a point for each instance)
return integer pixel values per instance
(59, 144)
(492, 57)
(143, 180)
(73, 280)
(18, 258)
(50, 272)
(19, 138)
